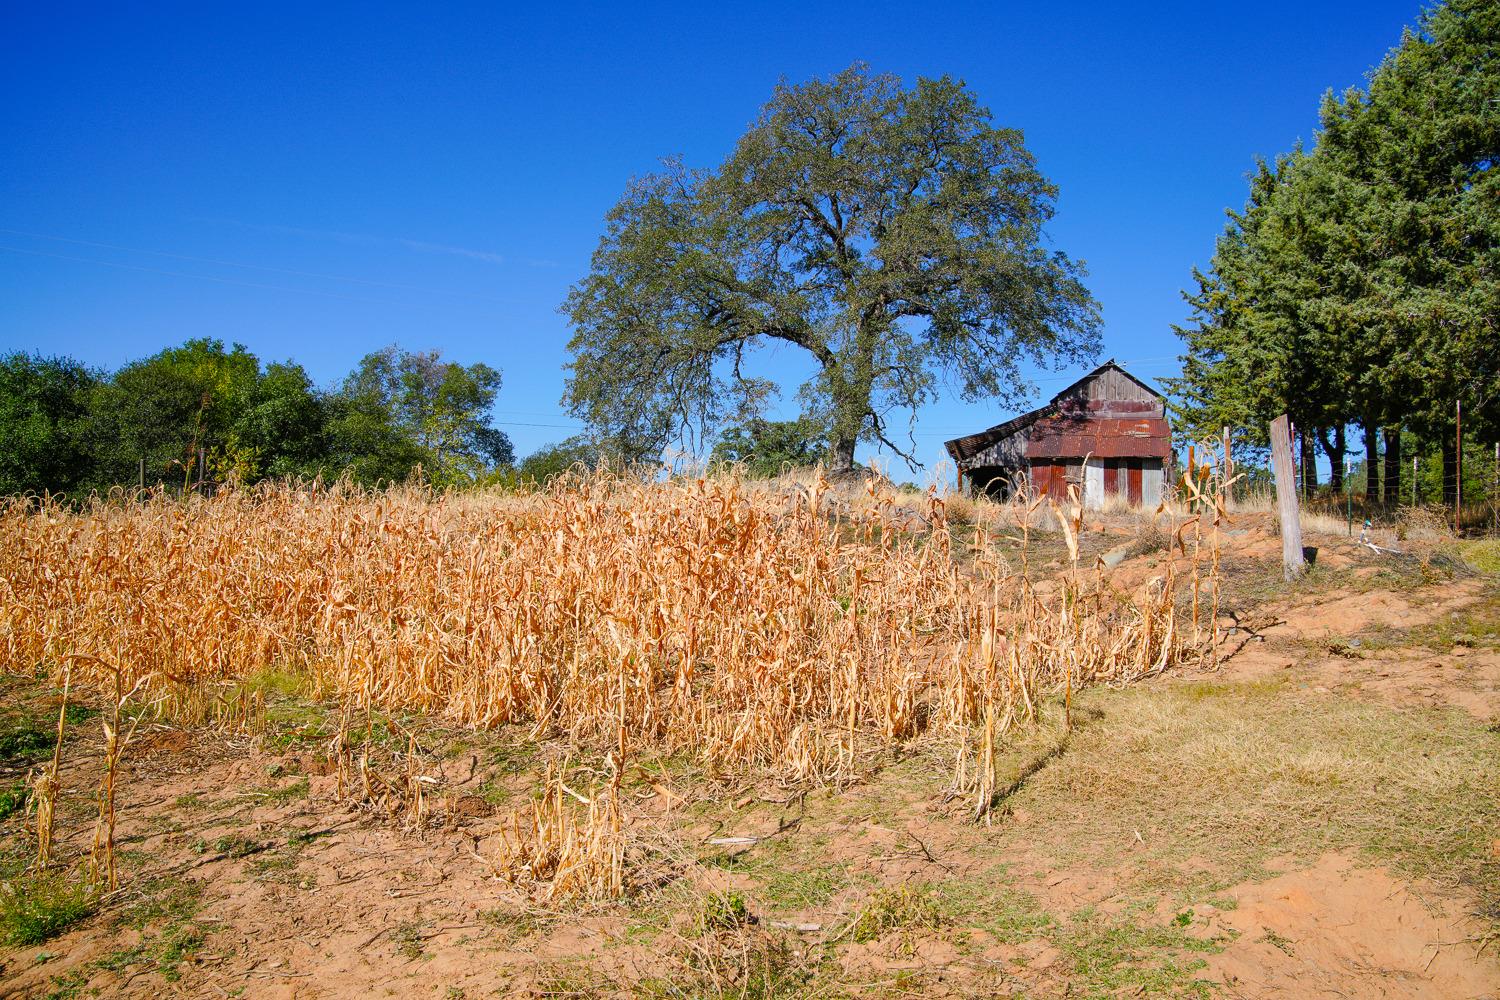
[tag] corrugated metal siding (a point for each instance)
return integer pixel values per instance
(1107, 414)
(1152, 477)
(1069, 437)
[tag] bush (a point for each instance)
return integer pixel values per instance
(903, 908)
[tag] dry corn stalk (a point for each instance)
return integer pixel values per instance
(102, 857)
(788, 630)
(566, 846)
(44, 790)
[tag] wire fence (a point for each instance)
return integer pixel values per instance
(1427, 485)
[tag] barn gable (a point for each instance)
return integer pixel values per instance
(1106, 434)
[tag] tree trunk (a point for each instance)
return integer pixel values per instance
(850, 386)
(841, 455)
(1372, 463)
(1392, 467)
(1335, 452)
(1450, 467)
(1309, 462)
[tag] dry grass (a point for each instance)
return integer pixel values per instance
(1243, 772)
(1330, 516)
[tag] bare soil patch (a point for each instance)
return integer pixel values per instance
(1340, 930)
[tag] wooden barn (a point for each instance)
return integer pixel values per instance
(1107, 434)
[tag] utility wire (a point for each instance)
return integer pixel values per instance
(253, 267)
(210, 277)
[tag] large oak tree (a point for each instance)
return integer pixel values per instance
(894, 234)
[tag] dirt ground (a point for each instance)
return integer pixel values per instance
(1316, 816)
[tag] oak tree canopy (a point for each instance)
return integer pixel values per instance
(894, 234)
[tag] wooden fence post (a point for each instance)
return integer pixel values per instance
(1458, 463)
(1228, 462)
(1286, 499)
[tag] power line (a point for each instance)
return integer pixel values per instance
(254, 267)
(516, 423)
(210, 277)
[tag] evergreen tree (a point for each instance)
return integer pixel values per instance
(1361, 283)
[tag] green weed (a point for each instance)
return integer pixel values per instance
(238, 846)
(722, 911)
(68, 986)
(903, 908)
(283, 794)
(512, 924)
(1117, 956)
(13, 799)
(162, 900)
(408, 937)
(1010, 915)
(35, 908)
(29, 733)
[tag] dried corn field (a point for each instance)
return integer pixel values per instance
(776, 630)
(755, 630)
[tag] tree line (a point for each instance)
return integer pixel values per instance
(895, 236)
(204, 410)
(1358, 290)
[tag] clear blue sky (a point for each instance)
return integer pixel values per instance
(316, 182)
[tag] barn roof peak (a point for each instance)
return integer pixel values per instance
(1110, 364)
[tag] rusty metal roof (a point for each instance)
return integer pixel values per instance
(966, 447)
(1064, 436)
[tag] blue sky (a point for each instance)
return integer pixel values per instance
(318, 181)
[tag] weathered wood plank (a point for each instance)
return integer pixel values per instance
(1292, 563)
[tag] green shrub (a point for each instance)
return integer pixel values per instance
(37, 907)
(12, 800)
(723, 912)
